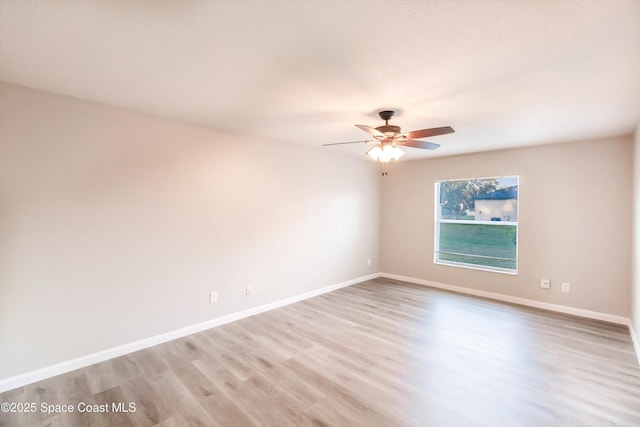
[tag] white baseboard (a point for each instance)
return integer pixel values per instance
(515, 300)
(10, 383)
(636, 340)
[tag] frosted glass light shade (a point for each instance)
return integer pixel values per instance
(385, 153)
(375, 152)
(397, 153)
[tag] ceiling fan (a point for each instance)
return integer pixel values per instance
(389, 139)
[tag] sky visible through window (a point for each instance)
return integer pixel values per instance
(508, 181)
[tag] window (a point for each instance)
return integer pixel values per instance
(476, 223)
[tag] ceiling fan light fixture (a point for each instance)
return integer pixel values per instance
(397, 153)
(375, 152)
(385, 156)
(390, 152)
(385, 153)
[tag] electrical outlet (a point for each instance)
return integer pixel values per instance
(369, 261)
(566, 287)
(545, 283)
(213, 297)
(248, 290)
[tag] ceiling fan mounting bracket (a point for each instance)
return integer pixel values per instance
(386, 115)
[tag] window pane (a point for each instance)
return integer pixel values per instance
(457, 198)
(476, 222)
(478, 244)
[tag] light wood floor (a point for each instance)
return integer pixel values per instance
(380, 353)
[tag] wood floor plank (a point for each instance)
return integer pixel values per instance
(182, 405)
(220, 408)
(378, 353)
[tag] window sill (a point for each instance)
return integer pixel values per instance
(478, 267)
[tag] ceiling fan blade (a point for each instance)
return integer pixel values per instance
(372, 131)
(418, 144)
(425, 133)
(350, 142)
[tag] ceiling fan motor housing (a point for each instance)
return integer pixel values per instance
(389, 130)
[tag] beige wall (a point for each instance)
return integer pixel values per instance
(635, 311)
(115, 226)
(575, 204)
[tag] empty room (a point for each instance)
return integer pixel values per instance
(320, 213)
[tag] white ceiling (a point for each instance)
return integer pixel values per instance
(502, 73)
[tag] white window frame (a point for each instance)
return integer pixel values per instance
(438, 221)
